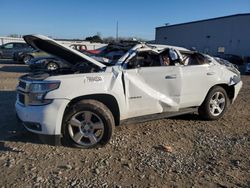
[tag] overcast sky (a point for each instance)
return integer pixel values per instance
(82, 18)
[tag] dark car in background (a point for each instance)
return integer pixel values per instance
(47, 63)
(27, 56)
(247, 66)
(235, 59)
(7, 50)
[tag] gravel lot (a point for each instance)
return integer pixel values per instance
(196, 153)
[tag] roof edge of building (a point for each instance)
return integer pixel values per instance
(217, 18)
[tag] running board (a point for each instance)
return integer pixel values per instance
(163, 115)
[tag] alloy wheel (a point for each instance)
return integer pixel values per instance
(86, 128)
(217, 103)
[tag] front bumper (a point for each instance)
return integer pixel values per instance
(45, 120)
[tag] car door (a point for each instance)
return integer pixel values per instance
(151, 90)
(7, 50)
(18, 47)
(197, 79)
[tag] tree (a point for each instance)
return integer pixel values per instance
(13, 35)
(94, 38)
(109, 39)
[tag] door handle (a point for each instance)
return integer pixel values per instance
(210, 73)
(170, 77)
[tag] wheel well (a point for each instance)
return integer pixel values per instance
(106, 99)
(229, 89)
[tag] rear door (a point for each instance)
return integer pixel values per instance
(198, 76)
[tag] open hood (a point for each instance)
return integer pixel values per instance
(54, 48)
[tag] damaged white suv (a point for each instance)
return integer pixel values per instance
(127, 82)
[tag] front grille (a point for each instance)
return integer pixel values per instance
(22, 85)
(22, 91)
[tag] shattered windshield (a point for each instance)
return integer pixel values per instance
(113, 52)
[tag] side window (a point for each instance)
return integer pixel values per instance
(194, 59)
(169, 57)
(144, 59)
(18, 45)
(83, 47)
(8, 46)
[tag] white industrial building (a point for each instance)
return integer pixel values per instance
(228, 34)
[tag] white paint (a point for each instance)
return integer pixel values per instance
(148, 90)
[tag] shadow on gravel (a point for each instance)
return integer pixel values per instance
(15, 69)
(9, 61)
(11, 128)
(5, 148)
(195, 117)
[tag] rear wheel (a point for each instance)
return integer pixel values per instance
(88, 124)
(215, 104)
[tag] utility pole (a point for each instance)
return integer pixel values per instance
(117, 31)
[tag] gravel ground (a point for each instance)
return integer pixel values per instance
(179, 152)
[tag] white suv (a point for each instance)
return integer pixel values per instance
(82, 104)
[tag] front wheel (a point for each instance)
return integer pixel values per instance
(215, 104)
(88, 124)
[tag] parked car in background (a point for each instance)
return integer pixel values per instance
(235, 59)
(33, 55)
(47, 64)
(18, 56)
(247, 64)
(7, 50)
(83, 48)
(247, 70)
(82, 104)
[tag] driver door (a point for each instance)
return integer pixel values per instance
(151, 90)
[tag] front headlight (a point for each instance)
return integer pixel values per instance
(44, 86)
(37, 92)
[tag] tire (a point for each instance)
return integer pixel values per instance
(52, 66)
(215, 104)
(27, 58)
(88, 124)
